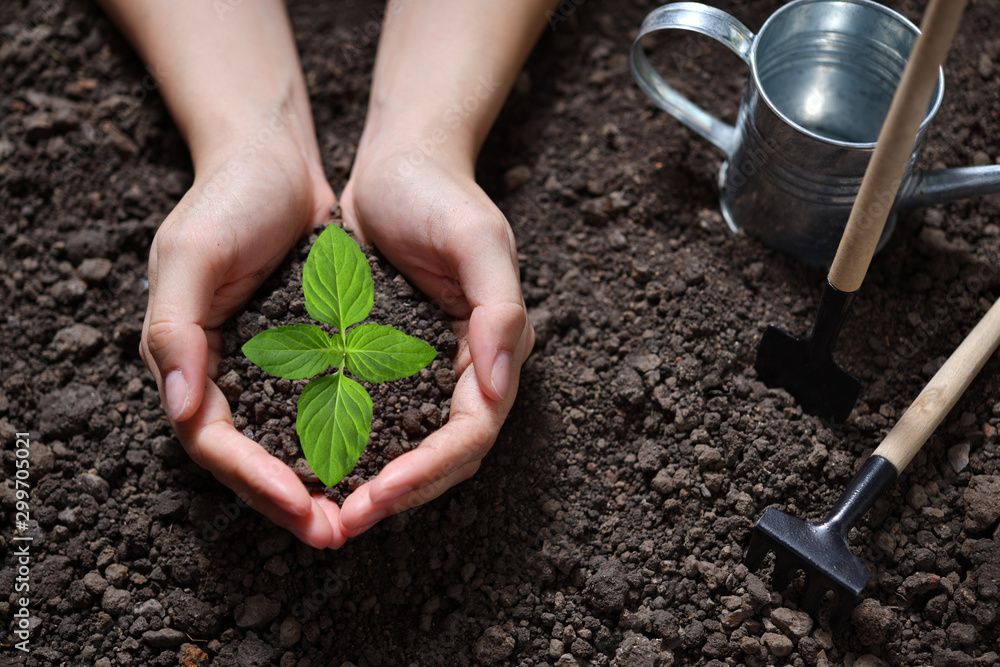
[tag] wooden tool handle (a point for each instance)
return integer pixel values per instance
(942, 392)
(895, 144)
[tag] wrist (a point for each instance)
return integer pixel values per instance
(443, 134)
(250, 127)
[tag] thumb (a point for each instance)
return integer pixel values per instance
(174, 344)
(495, 330)
(498, 320)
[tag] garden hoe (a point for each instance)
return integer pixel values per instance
(805, 366)
(820, 548)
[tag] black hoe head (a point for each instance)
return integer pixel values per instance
(817, 548)
(815, 380)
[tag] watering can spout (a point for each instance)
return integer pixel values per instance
(930, 188)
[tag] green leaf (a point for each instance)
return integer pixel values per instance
(334, 422)
(377, 353)
(337, 280)
(293, 352)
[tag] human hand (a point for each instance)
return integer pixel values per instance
(245, 211)
(236, 92)
(438, 227)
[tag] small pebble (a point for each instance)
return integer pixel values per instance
(872, 622)
(76, 341)
(751, 646)
(95, 583)
(290, 632)
(777, 644)
(115, 601)
(164, 638)
(985, 66)
(95, 485)
(304, 472)
(958, 456)
(919, 584)
(257, 612)
(116, 574)
(94, 270)
(982, 503)
(757, 591)
(494, 646)
(517, 176)
(795, 624)
(916, 497)
(149, 609)
(231, 385)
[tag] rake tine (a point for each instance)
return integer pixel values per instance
(785, 567)
(813, 594)
(842, 608)
(756, 551)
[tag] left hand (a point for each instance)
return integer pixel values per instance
(437, 227)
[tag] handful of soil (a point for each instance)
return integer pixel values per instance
(405, 411)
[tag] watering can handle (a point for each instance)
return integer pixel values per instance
(703, 19)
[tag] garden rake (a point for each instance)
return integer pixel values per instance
(820, 548)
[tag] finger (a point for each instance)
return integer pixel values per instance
(445, 458)
(431, 478)
(216, 348)
(367, 513)
(494, 331)
(313, 529)
(498, 322)
(174, 340)
(332, 512)
(350, 215)
(262, 481)
(470, 432)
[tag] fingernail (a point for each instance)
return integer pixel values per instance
(283, 493)
(176, 391)
(500, 375)
(389, 495)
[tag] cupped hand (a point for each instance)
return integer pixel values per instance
(431, 220)
(246, 210)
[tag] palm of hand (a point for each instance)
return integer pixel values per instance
(445, 234)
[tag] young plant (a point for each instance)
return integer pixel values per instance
(335, 412)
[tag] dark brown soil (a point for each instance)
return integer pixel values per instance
(606, 526)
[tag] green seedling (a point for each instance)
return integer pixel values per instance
(334, 411)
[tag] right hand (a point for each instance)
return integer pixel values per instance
(438, 227)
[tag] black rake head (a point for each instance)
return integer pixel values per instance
(810, 375)
(817, 548)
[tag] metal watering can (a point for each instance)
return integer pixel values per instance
(822, 76)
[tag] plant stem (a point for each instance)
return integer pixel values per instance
(343, 346)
